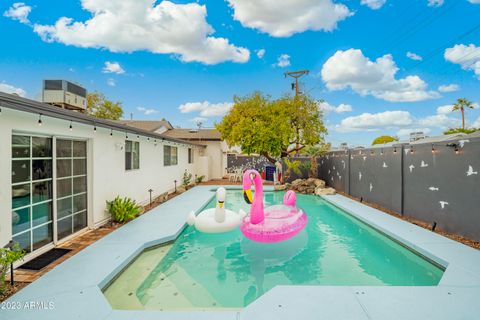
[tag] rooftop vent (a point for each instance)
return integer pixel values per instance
(414, 136)
(64, 94)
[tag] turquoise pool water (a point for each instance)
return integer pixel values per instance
(202, 271)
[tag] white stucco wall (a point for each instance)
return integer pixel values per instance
(217, 158)
(107, 177)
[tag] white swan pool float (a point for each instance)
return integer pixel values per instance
(218, 219)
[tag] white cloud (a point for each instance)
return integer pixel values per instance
(286, 17)
(468, 57)
(326, 107)
(447, 109)
(206, 108)
(283, 61)
(449, 88)
(111, 82)
(474, 1)
(401, 120)
(199, 120)
(376, 121)
(351, 69)
(435, 3)
(439, 121)
(476, 124)
(146, 111)
(414, 56)
(113, 67)
(260, 53)
(136, 25)
(19, 11)
(7, 88)
(373, 4)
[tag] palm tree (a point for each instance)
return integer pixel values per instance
(313, 152)
(460, 105)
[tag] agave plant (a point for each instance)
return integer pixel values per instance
(123, 210)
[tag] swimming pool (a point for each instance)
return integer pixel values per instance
(205, 271)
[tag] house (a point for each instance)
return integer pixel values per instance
(215, 148)
(58, 167)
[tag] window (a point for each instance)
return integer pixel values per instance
(170, 157)
(132, 155)
(190, 155)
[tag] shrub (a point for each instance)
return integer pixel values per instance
(123, 210)
(186, 179)
(460, 130)
(199, 179)
(7, 257)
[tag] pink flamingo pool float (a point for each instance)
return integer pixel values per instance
(272, 224)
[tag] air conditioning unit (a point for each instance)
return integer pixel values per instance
(64, 94)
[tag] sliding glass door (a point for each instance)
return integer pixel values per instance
(34, 222)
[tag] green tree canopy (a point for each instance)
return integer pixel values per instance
(384, 139)
(272, 128)
(99, 106)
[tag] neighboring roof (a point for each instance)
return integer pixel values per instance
(15, 102)
(194, 134)
(146, 125)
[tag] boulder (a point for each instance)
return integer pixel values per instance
(279, 187)
(319, 183)
(325, 191)
(297, 182)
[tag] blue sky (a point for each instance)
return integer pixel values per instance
(184, 60)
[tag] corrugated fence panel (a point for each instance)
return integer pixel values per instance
(376, 176)
(334, 170)
(444, 186)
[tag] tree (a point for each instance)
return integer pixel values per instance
(314, 152)
(272, 128)
(460, 105)
(100, 107)
(294, 166)
(384, 139)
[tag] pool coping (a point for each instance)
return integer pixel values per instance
(74, 287)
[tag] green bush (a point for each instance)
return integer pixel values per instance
(7, 257)
(199, 179)
(186, 179)
(123, 210)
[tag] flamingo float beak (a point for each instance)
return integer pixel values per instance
(247, 195)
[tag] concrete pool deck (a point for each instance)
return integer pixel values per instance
(74, 287)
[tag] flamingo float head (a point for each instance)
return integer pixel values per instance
(249, 179)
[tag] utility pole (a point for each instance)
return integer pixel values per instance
(296, 75)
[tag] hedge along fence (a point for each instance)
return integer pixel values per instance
(436, 182)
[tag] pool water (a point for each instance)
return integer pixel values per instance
(204, 271)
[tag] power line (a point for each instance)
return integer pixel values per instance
(442, 47)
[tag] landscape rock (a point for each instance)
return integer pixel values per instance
(325, 191)
(181, 189)
(319, 183)
(279, 187)
(309, 186)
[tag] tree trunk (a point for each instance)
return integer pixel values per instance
(314, 167)
(463, 118)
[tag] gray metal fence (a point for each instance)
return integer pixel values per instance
(430, 181)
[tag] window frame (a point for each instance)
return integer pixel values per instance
(191, 158)
(170, 158)
(132, 163)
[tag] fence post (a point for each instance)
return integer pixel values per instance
(348, 170)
